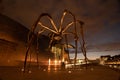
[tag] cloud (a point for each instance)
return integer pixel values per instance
(99, 15)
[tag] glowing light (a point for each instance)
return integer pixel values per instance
(115, 66)
(55, 62)
(59, 62)
(49, 61)
(55, 68)
(30, 71)
(63, 60)
(44, 69)
(80, 61)
(22, 69)
(69, 66)
(66, 62)
(69, 72)
(49, 68)
(110, 65)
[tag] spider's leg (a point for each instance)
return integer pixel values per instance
(51, 40)
(83, 45)
(51, 20)
(27, 51)
(37, 48)
(62, 18)
(66, 40)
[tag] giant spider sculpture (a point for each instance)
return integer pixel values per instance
(57, 33)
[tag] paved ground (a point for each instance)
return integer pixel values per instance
(92, 73)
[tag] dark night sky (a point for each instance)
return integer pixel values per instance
(101, 17)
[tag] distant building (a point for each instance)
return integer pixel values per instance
(59, 52)
(103, 59)
(114, 60)
(110, 60)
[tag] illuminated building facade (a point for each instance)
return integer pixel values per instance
(59, 52)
